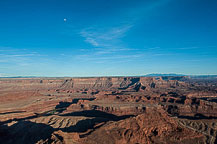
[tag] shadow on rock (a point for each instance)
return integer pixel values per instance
(25, 132)
(99, 117)
(30, 132)
(197, 117)
(98, 114)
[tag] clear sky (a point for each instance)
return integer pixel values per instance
(107, 37)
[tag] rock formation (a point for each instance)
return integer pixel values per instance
(108, 110)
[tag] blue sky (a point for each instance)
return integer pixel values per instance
(107, 37)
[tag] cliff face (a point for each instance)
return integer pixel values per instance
(119, 83)
(101, 83)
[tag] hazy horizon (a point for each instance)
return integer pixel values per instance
(95, 76)
(83, 38)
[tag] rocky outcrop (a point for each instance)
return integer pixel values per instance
(144, 128)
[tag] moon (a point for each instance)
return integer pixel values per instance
(64, 19)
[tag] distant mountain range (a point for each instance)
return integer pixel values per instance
(190, 76)
(20, 77)
(154, 75)
(148, 75)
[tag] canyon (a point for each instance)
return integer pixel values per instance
(108, 110)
